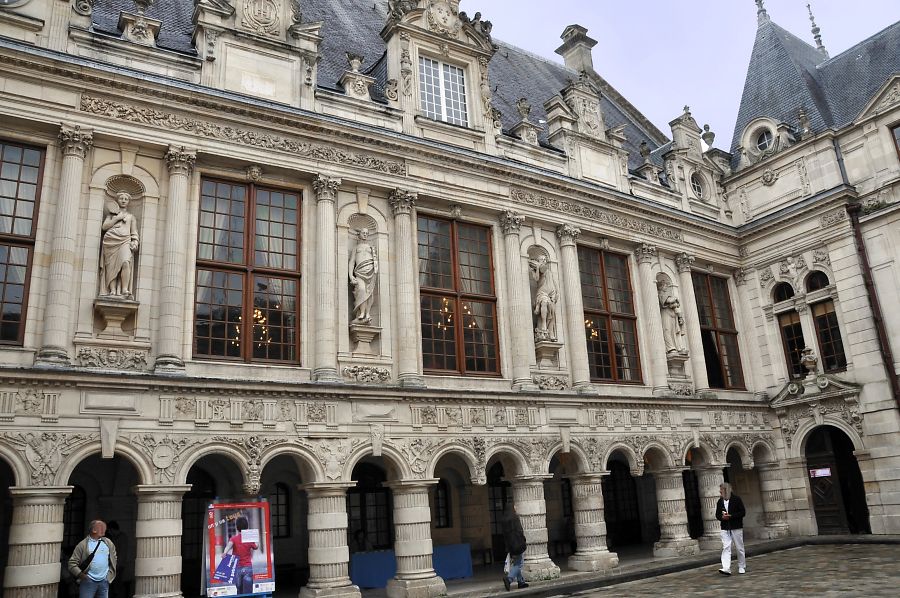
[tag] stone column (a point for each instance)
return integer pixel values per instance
(412, 542)
(528, 496)
(519, 308)
(746, 316)
(692, 323)
(157, 568)
(169, 357)
(329, 556)
(326, 280)
(674, 539)
(708, 479)
(772, 493)
(35, 537)
(571, 277)
(591, 553)
(407, 299)
(74, 144)
(656, 352)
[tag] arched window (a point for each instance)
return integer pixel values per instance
(782, 292)
(280, 510)
(764, 140)
(816, 280)
(442, 512)
(697, 185)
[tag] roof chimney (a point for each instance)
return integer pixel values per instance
(576, 48)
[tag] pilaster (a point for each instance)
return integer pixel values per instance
(692, 323)
(517, 291)
(403, 205)
(157, 568)
(329, 556)
(656, 352)
(326, 273)
(415, 577)
(74, 143)
(571, 276)
(674, 539)
(35, 537)
(180, 162)
(591, 553)
(528, 494)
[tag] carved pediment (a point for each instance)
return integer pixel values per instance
(828, 386)
(443, 19)
(887, 98)
(220, 7)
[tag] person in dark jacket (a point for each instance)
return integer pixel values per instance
(514, 538)
(730, 512)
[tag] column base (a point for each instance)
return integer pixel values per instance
(52, 357)
(586, 388)
(680, 547)
(542, 570)
(350, 591)
(710, 542)
(430, 587)
(326, 376)
(168, 364)
(599, 561)
(773, 532)
(663, 391)
(411, 381)
(524, 385)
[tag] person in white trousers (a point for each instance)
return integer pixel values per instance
(730, 512)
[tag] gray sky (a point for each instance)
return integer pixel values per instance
(663, 54)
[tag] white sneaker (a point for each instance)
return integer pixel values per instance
(725, 571)
(742, 570)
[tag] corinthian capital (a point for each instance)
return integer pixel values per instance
(684, 262)
(180, 160)
(325, 187)
(402, 201)
(645, 253)
(567, 234)
(75, 141)
(511, 222)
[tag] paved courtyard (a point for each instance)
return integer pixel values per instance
(808, 571)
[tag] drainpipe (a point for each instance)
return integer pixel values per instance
(854, 210)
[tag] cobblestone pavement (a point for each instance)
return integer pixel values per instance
(808, 571)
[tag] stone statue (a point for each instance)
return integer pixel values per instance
(672, 319)
(363, 269)
(545, 299)
(120, 243)
(809, 361)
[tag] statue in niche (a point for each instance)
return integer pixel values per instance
(363, 269)
(545, 299)
(119, 246)
(672, 317)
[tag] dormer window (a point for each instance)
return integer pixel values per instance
(697, 185)
(764, 140)
(442, 91)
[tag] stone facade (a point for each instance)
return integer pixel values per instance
(124, 379)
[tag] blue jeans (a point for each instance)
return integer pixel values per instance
(244, 580)
(93, 589)
(515, 568)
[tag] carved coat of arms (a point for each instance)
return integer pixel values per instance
(261, 16)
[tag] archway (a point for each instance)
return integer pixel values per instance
(103, 489)
(629, 505)
(211, 477)
(838, 494)
(279, 483)
(7, 480)
(499, 493)
(744, 482)
(560, 508)
(459, 523)
(693, 503)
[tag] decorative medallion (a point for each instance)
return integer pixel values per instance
(443, 19)
(261, 16)
(769, 177)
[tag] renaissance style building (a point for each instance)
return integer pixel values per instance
(360, 258)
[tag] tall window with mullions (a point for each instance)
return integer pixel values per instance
(248, 274)
(458, 304)
(718, 332)
(609, 318)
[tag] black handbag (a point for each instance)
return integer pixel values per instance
(87, 562)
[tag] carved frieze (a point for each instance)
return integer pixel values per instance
(563, 206)
(332, 453)
(367, 373)
(833, 217)
(44, 451)
(112, 358)
(548, 382)
(164, 452)
(234, 134)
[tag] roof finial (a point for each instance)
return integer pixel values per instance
(816, 33)
(761, 15)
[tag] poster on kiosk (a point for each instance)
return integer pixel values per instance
(238, 550)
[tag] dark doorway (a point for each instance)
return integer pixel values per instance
(193, 518)
(499, 492)
(692, 502)
(7, 480)
(370, 510)
(839, 497)
(620, 500)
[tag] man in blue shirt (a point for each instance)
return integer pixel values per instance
(93, 562)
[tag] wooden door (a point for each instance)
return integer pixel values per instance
(831, 516)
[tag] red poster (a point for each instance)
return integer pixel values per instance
(239, 549)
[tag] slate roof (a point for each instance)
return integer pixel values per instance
(355, 25)
(786, 73)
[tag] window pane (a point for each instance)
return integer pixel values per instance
(617, 283)
(830, 343)
(435, 260)
(455, 95)
(701, 291)
(474, 251)
(19, 174)
(731, 360)
(624, 339)
(591, 278)
(275, 318)
(792, 335)
(897, 137)
(479, 336)
(438, 333)
(275, 245)
(599, 359)
(721, 303)
(430, 88)
(222, 207)
(217, 319)
(13, 274)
